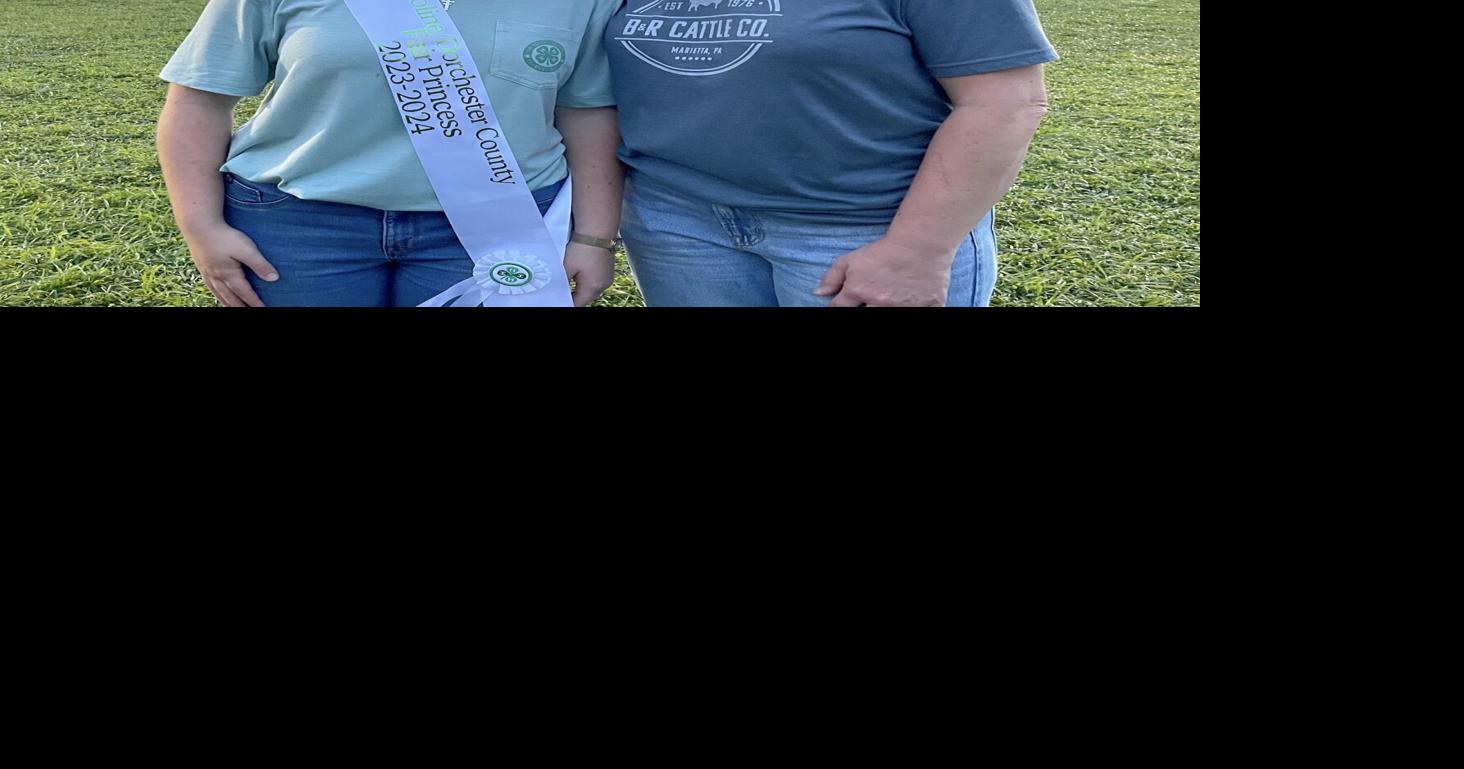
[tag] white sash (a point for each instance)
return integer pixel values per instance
(518, 254)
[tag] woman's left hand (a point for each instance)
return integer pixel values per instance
(591, 270)
(889, 274)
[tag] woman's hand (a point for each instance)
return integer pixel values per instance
(592, 270)
(971, 163)
(193, 140)
(889, 274)
(221, 254)
(591, 139)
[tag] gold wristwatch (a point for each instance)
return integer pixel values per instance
(586, 240)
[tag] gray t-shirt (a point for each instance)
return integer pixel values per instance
(823, 107)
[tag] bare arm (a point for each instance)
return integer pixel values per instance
(972, 162)
(193, 142)
(591, 139)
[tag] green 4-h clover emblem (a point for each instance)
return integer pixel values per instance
(544, 55)
(511, 274)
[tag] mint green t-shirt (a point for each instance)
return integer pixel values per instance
(329, 128)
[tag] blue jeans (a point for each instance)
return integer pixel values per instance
(338, 255)
(691, 253)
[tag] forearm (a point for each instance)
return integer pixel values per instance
(591, 140)
(972, 162)
(193, 142)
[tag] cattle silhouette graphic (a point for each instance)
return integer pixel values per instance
(693, 38)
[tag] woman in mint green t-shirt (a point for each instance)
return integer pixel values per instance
(320, 199)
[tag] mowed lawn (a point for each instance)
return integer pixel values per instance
(1107, 212)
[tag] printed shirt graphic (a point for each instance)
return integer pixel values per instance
(698, 37)
(822, 108)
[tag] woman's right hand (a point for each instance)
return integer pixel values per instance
(221, 254)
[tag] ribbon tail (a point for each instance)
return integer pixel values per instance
(462, 289)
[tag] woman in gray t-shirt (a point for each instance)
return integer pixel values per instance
(815, 152)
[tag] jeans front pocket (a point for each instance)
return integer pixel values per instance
(243, 192)
(533, 56)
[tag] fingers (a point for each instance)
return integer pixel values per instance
(590, 271)
(241, 289)
(261, 266)
(233, 289)
(833, 280)
(847, 299)
(221, 258)
(587, 292)
(222, 293)
(210, 286)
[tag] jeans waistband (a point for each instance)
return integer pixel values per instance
(544, 196)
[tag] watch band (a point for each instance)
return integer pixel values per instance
(586, 240)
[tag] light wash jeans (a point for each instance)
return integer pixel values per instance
(338, 255)
(692, 253)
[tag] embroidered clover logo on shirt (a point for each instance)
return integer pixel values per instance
(544, 55)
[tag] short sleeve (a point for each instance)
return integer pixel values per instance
(232, 50)
(589, 85)
(968, 37)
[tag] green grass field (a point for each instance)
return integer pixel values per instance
(1107, 212)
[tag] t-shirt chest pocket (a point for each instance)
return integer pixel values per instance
(532, 55)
